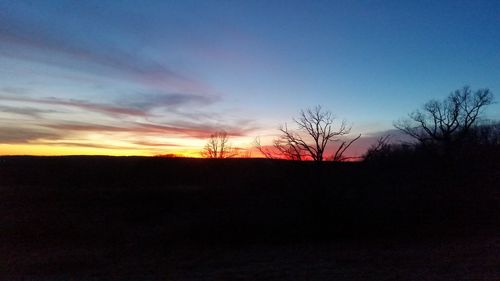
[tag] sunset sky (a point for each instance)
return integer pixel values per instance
(158, 77)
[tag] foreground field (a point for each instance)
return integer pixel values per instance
(94, 218)
(475, 258)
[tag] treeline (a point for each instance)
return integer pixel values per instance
(481, 144)
(451, 130)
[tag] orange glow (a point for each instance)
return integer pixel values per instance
(49, 150)
(53, 150)
(123, 146)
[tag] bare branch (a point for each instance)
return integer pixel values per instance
(339, 154)
(266, 152)
(448, 121)
(218, 146)
(314, 132)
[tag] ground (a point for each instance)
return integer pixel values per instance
(97, 219)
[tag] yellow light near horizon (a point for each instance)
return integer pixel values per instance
(56, 150)
(52, 150)
(122, 146)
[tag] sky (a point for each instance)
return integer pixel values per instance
(158, 77)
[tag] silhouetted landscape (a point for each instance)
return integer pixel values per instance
(249, 140)
(147, 218)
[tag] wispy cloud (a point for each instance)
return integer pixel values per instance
(33, 43)
(95, 107)
(85, 127)
(67, 126)
(27, 111)
(147, 101)
(156, 144)
(20, 135)
(133, 105)
(195, 130)
(85, 144)
(14, 90)
(135, 97)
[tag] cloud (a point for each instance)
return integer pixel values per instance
(360, 146)
(28, 111)
(81, 144)
(88, 127)
(156, 144)
(141, 125)
(195, 130)
(141, 95)
(31, 42)
(395, 136)
(15, 90)
(9, 135)
(148, 101)
(102, 108)
(132, 105)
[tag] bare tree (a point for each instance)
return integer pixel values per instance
(281, 148)
(218, 146)
(314, 132)
(263, 150)
(339, 154)
(447, 121)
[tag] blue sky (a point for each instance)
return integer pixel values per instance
(149, 77)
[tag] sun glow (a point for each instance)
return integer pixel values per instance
(50, 150)
(69, 149)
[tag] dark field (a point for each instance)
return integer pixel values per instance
(133, 218)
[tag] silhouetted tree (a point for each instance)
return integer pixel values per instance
(264, 151)
(288, 148)
(449, 121)
(487, 133)
(314, 132)
(281, 148)
(218, 146)
(482, 142)
(380, 149)
(339, 154)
